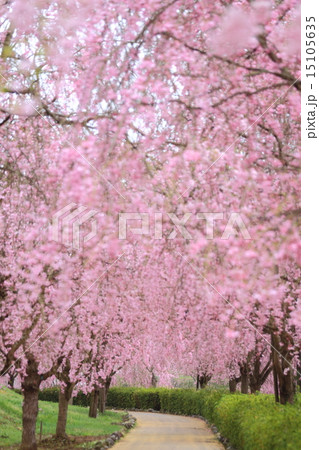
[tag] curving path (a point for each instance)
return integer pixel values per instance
(155, 431)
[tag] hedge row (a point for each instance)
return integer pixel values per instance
(249, 422)
(138, 398)
(256, 421)
(52, 395)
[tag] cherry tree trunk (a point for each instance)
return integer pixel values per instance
(102, 398)
(64, 401)
(258, 375)
(154, 380)
(287, 388)
(255, 380)
(283, 371)
(232, 385)
(30, 388)
(202, 381)
(107, 386)
(94, 403)
(12, 377)
(275, 377)
(244, 372)
(298, 376)
(103, 394)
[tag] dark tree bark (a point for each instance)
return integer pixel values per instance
(103, 394)
(244, 376)
(65, 397)
(286, 384)
(276, 389)
(102, 399)
(258, 375)
(154, 380)
(12, 377)
(298, 375)
(94, 399)
(202, 381)
(64, 400)
(233, 384)
(274, 371)
(107, 386)
(30, 387)
(282, 366)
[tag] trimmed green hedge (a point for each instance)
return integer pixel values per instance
(81, 399)
(49, 394)
(52, 395)
(256, 421)
(138, 398)
(177, 401)
(249, 422)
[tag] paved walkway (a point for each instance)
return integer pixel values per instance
(168, 432)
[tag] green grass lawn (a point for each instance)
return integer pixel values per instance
(79, 424)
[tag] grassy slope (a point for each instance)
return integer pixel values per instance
(78, 421)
